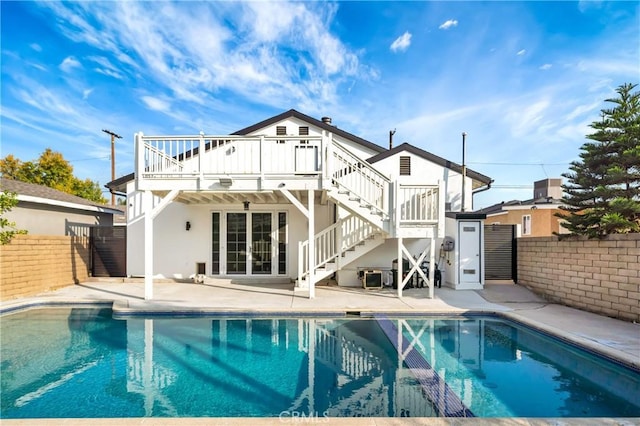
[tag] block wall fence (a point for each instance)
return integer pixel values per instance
(600, 276)
(32, 264)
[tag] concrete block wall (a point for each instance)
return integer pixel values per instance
(601, 276)
(33, 264)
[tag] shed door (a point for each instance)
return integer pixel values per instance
(469, 252)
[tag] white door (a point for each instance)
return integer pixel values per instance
(469, 251)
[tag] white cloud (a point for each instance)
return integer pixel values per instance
(448, 24)
(521, 52)
(86, 93)
(402, 43)
(69, 63)
(36, 47)
(270, 53)
(156, 104)
(107, 68)
(545, 67)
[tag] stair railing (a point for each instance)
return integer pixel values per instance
(333, 241)
(360, 179)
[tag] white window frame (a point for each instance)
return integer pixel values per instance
(526, 224)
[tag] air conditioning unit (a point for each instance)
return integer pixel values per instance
(371, 279)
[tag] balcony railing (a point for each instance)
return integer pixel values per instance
(178, 157)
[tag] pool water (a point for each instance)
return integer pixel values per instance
(81, 362)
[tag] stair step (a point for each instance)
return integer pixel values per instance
(356, 199)
(343, 191)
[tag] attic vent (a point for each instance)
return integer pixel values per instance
(281, 131)
(405, 166)
(303, 131)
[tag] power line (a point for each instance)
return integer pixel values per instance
(89, 158)
(520, 164)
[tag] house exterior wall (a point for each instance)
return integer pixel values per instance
(292, 124)
(425, 171)
(381, 258)
(601, 276)
(33, 264)
(41, 219)
(177, 250)
(543, 221)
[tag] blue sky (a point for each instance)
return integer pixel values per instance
(522, 79)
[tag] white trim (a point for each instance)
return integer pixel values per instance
(49, 201)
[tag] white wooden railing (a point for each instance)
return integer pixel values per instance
(360, 179)
(417, 204)
(162, 157)
(333, 241)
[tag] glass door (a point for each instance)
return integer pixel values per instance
(249, 243)
(261, 244)
(237, 243)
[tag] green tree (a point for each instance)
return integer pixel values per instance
(8, 230)
(603, 193)
(52, 170)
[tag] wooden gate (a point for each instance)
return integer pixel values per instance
(109, 251)
(500, 250)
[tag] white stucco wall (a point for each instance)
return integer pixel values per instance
(177, 250)
(423, 171)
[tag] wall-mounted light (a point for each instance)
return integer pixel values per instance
(246, 205)
(188, 225)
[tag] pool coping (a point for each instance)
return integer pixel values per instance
(122, 310)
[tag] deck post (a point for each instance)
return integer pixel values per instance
(432, 271)
(201, 147)
(311, 251)
(147, 203)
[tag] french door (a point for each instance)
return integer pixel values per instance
(246, 244)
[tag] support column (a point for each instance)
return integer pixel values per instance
(147, 203)
(432, 271)
(312, 246)
(399, 272)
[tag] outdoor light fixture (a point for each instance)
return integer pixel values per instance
(246, 205)
(188, 226)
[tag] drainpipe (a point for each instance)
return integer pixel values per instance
(479, 190)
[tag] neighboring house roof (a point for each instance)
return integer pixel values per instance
(325, 126)
(40, 194)
(520, 205)
(430, 157)
(120, 185)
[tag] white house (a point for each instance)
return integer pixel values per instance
(248, 204)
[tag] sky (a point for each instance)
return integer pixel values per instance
(523, 79)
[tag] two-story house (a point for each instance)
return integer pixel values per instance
(296, 198)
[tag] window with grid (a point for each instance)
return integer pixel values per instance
(405, 166)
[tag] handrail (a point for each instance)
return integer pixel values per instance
(353, 230)
(360, 178)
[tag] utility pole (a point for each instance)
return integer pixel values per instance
(113, 160)
(464, 166)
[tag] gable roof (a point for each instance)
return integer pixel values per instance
(44, 195)
(318, 123)
(430, 157)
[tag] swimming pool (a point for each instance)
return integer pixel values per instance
(81, 362)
